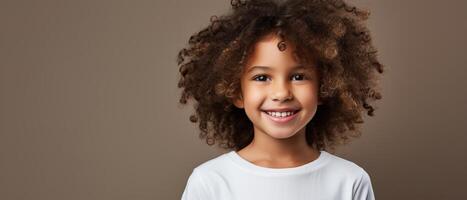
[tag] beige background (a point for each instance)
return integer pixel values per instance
(88, 106)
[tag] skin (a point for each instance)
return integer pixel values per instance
(278, 84)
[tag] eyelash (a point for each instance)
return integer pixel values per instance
(255, 78)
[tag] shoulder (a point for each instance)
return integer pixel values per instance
(201, 179)
(346, 168)
(217, 163)
(214, 170)
(350, 174)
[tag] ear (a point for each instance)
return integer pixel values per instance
(238, 102)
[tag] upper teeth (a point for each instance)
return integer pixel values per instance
(280, 114)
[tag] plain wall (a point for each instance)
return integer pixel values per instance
(89, 103)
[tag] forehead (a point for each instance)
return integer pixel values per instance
(266, 52)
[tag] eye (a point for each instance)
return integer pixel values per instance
(298, 76)
(260, 77)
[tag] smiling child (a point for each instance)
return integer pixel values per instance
(278, 83)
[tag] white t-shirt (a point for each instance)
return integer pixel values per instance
(231, 177)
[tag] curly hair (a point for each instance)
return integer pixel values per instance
(331, 31)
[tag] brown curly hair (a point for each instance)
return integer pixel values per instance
(329, 30)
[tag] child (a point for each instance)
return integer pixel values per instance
(278, 83)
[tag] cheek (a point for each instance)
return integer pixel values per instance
(307, 95)
(253, 97)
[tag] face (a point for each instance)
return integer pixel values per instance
(279, 94)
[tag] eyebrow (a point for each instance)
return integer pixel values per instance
(267, 68)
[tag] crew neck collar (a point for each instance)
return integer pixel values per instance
(310, 166)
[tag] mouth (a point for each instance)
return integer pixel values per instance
(281, 117)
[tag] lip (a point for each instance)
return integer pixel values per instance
(282, 119)
(281, 110)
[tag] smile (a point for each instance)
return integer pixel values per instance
(281, 117)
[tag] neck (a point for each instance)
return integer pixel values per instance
(294, 148)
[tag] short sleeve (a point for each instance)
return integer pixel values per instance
(363, 189)
(195, 188)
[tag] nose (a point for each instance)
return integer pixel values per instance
(281, 91)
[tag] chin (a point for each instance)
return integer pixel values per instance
(281, 135)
